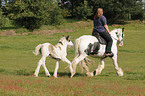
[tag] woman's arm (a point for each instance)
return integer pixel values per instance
(106, 26)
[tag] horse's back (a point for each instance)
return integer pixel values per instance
(82, 42)
(87, 38)
(46, 48)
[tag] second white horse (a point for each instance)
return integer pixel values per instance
(57, 52)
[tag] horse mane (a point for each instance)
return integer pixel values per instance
(60, 43)
(116, 30)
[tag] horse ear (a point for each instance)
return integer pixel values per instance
(123, 29)
(67, 37)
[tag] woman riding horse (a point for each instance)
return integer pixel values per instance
(100, 24)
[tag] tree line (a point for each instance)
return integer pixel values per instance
(32, 14)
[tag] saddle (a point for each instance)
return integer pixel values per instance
(100, 39)
(93, 47)
(96, 46)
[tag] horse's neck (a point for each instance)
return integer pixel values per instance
(61, 47)
(113, 35)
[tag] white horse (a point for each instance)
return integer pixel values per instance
(57, 52)
(81, 45)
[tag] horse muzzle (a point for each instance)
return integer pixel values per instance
(121, 44)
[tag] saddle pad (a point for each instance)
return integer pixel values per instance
(100, 39)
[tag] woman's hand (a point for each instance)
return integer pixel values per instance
(106, 26)
(109, 33)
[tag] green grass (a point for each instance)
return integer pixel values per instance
(17, 66)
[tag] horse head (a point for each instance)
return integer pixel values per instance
(65, 40)
(70, 44)
(120, 35)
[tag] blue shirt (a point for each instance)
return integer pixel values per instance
(99, 24)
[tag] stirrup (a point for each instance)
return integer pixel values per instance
(109, 55)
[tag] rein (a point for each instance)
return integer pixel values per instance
(113, 37)
(117, 38)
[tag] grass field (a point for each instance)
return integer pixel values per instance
(17, 65)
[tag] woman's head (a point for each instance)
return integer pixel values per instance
(98, 13)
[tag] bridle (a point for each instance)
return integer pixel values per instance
(118, 35)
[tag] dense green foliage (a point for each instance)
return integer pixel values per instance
(116, 9)
(2, 19)
(113, 9)
(32, 14)
(77, 9)
(83, 11)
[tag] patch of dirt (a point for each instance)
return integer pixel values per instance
(8, 33)
(45, 32)
(49, 32)
(116, 25)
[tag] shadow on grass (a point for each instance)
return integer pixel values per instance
(103, 75)
(2, 70)
(61, 74)
(25, 72)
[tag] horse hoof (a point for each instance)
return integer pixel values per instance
(55, 77)
(48, 75)
(71, 76)
(35, 75)
(90, 74)
(94, 73)
(119, 72)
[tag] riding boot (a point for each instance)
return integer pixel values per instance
(109, 54)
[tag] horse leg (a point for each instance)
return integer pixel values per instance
(38, 67)
(75, 63)
(118, 70)
(85, 67)
(64, 59)
(88, 61)
(100, 67)
(56, 68)
(44, 66)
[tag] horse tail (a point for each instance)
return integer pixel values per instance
(37, 48)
